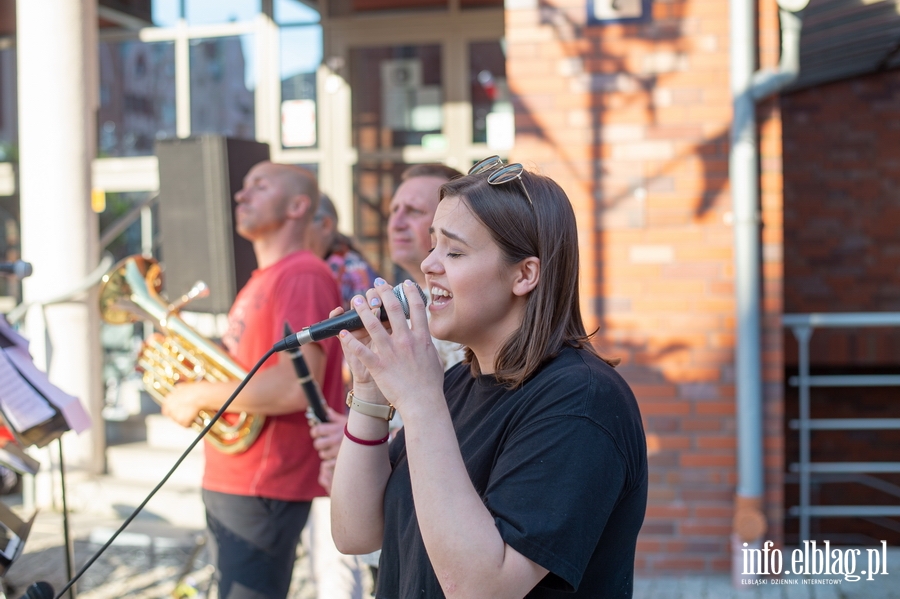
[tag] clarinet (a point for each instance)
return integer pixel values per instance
(315, 413)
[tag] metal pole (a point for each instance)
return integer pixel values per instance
(747, 87)
(69, 547)
(745, 191)
(803, 335)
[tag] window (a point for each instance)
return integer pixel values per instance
(492, 110)
(207, 12)
(8, 110)
(137, 97)
(301, 54)
(222, 85)
(402, 103)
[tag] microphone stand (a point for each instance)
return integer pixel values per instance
(165, 478)
(67, 539)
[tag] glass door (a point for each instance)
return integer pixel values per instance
(409, 88)
(399, 105)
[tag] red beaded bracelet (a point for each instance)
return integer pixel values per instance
(359, 441)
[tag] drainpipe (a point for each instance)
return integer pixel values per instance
(749, 87)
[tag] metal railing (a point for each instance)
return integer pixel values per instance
(803, 326)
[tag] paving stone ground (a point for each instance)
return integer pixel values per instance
(144, 562)
(720, 587)
(150, 555)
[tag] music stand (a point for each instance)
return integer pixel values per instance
(34, 411)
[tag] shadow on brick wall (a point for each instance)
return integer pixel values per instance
(689, 416)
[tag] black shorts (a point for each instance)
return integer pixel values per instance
(253, 543)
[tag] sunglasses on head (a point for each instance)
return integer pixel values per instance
(502, 173)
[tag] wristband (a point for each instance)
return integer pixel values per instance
(375, 410)
(366, 442)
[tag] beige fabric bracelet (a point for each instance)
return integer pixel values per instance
(375, 410)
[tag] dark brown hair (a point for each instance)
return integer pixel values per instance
(431, 169)
(548, 231)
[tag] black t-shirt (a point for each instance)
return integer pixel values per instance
(561, 463)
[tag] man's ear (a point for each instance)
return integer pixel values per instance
(298, 206)
(527, 275)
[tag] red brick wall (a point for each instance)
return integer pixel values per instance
(842, 209)
(842, 254)
(633, 120)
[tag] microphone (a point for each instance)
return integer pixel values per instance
(348, 320)
(18, 269)
(39, 590)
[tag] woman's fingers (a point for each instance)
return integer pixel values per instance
(361, 336)
(369, 314)
(396, 315)
(395, 351)
(358, 355)
(417, 316)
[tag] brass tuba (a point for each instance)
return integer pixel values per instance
(130, 293)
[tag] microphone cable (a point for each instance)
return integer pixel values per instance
(165, 478)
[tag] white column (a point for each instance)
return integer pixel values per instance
(57, 60)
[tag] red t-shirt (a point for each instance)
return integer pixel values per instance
(281, 463)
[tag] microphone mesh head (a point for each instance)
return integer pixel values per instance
(22, 269)
(401, 297)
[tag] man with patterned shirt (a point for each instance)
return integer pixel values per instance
(336, 576)
(412, 210)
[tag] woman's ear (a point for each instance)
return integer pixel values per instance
(527, 275)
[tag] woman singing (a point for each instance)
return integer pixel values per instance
(521, 472)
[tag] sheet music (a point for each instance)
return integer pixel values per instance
(72, 410)
(22, 406)
(12, 335)
(13, 456)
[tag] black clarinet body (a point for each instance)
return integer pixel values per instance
(315, 413)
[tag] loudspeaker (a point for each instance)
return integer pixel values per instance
(198, 177)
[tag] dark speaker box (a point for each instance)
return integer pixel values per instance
(198, 177)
